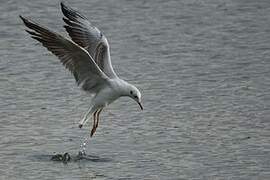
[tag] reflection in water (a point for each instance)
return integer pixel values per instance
(69, 158)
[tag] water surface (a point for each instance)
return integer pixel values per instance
(203, 68)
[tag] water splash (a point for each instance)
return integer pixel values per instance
(82, 151)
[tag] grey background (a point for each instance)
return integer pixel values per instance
(204, 72)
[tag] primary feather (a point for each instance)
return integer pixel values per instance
(89, 37)
(73, 57)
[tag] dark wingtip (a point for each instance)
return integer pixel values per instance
(62, 4)
(70, 13)
(25, 21)
(22, 18)
(64, 7)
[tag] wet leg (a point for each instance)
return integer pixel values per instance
(99, 111)
(94, 124)
(83, 121)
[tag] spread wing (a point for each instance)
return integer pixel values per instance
(89, 37)
(73, 57)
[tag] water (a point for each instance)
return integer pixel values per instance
(203, 68)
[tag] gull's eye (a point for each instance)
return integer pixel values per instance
(131, 92)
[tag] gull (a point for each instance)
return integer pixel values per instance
(87, 56)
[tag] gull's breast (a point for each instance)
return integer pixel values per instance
(106, 96)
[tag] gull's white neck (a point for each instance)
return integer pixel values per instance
(121, 86)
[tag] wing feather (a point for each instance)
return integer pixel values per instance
(73, 57)
(89, 37)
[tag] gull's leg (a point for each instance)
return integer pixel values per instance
(94, 123)
(99, 111)
(83, 121)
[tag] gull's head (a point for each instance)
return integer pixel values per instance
(135, 94)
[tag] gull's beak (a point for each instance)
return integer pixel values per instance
(140, 105)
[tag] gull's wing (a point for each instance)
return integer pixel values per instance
(89, 37)
(73, 57)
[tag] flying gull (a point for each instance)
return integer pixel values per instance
(87, 56)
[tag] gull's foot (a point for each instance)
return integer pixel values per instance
(80, 126)
(93, 131)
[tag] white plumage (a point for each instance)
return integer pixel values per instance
(87, 56)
